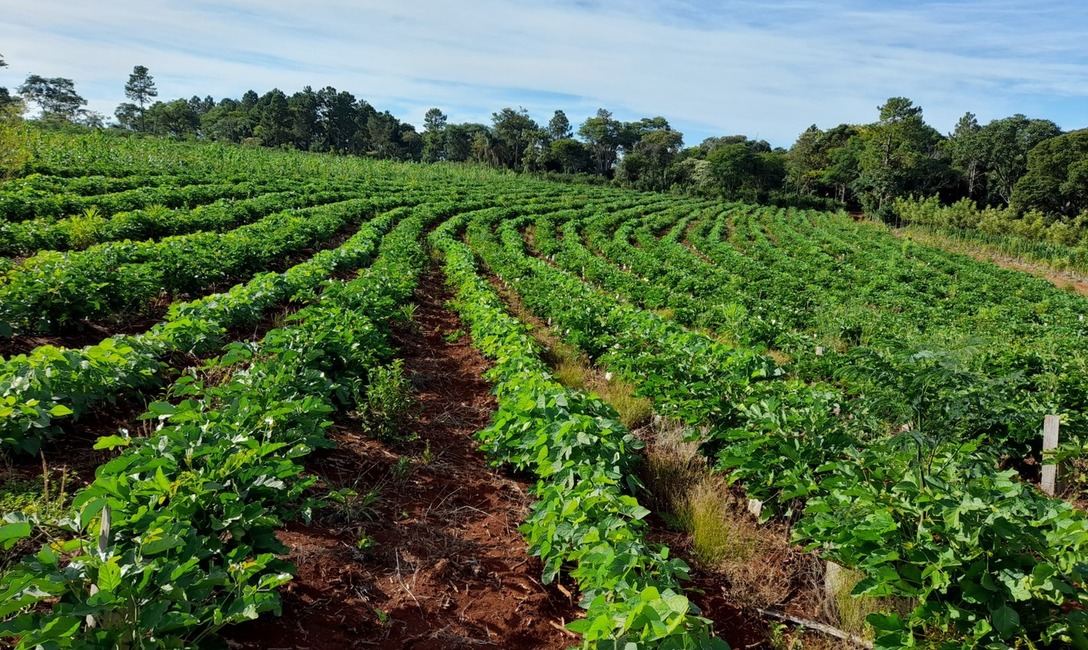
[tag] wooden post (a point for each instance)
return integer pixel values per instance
(833, 578)
(1050, 442)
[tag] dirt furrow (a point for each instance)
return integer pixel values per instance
(434, 559)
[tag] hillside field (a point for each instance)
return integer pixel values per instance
(254, 398)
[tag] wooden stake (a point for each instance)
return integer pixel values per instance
(833, 578)
(1050, 443)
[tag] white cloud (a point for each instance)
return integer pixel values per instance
(767, 69)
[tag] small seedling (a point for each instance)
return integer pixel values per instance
(428, 456)
(383, 617)
(401, 470)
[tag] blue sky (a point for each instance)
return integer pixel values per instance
(767, 69)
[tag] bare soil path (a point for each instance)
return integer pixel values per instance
(447, 568)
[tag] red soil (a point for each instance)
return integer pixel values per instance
(448, 568)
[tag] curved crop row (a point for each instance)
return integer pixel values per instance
(52, 290)
(155, 222)
(583, 459)
(96, 184)
(38, 204)
(175, 538)
(40, 390)
(991, 560)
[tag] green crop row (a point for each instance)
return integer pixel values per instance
(40, 204)
(52, 290)
(175, 538)
(991, 561)
(94, 185)
(1001, 392)
(40, 390)
(31, 236)
(584, 515)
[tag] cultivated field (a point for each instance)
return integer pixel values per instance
(261, 399)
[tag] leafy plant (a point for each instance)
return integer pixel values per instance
(389, 401)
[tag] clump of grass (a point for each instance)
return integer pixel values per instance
(407, 315)
(781, 638)
(427, 456)
(671, 469)
(724, 538)
(350, 507)
(453, 336)
(401, 470)
(851, 611)
(44, 501)
(780, 357)
(576, 373)
(716, 536)
(40, 499)
(571, 373)
(633, 410)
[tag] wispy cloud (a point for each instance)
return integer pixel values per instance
(767, 69)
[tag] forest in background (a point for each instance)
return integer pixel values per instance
(1015, 176)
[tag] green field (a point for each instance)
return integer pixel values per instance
(230, 307)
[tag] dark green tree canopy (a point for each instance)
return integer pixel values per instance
(901, 156)
(569, 156)
(1056, 181)
(128, 116)
(434, 135)
(6, 100)
(274, 119)
(513, 132)
(649, 165)
(559, 126)
(967, 155)
(461, 141)
(55, 96)
(140, 87)
(434, 120)
(227, 122)
(175, 118)
(603, 135)
(1004, 145)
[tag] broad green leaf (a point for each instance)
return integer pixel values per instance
(1006, 621)
(112, 442)
(10, 534)
(60, 410)
(109, 576)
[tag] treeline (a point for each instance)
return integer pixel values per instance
(1012, 175)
